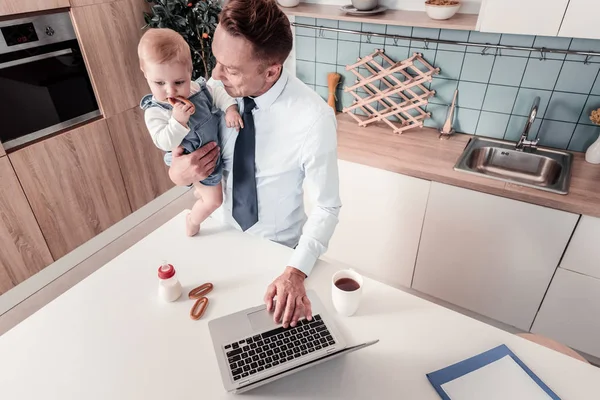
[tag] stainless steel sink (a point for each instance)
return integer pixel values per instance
(543, 169)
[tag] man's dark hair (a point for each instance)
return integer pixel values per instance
(263, 24)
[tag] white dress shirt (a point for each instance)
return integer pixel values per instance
(166, 132)
(296, 145)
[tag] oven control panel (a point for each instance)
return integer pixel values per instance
(19, 34)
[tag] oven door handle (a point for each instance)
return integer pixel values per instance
(35, 58)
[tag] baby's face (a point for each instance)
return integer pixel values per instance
(168, 80)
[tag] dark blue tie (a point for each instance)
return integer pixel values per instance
(245, 202)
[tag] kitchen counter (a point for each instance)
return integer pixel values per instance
(421, 154)
(111, 337)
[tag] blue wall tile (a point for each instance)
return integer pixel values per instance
(330, 24)
(327, 50)
(541, 74)
(492, 124)
(548, 42)
(375, 28)
(525, 99)
(471, 95)
(457, 36)
(306, 48)
(593, 103)
(477, 68)
(305, 70)
(323, 91)
(347, 52)
(577, 77)
(583, 137)
(508, 71)
(352, 26)
(555, 133)
(466, 120)
(495, 91)
(306, 31)
(500, 99)
(450, 63)
(400, 31)
(565, 107)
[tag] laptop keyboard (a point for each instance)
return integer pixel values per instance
(259, 353)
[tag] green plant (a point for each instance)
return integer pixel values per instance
(196, 21)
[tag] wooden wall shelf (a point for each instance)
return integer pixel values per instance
(465, 22)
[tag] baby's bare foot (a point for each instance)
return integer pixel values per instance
(191, 229)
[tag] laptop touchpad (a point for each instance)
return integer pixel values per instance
(262, 320)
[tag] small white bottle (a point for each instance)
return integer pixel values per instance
(169, 287)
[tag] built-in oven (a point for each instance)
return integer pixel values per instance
(44, 84)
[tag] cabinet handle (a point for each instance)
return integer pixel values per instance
(35, 58)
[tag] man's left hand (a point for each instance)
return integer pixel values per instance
(292, 302)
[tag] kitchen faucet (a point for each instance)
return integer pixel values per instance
(523, 143)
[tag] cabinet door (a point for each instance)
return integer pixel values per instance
(144, 171)
(380, 222)
(73, 184)
(581, 20)
(10, 7)
(531, 17)
(488, 254)
(24, 251)
(583, 253)
(109, 34)
(569, 313)
(2, 152)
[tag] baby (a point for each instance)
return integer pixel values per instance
(181, 112)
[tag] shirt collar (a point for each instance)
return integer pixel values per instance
(264, 101)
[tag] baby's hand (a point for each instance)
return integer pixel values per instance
(233, 118)
(182, 110)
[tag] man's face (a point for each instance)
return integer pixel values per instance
(241, 72)
(167, 80)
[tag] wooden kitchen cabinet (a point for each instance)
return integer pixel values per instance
(581, 20)
(24, 251)
(109, 34)
(74, 185)
(583, 253)
(488, 254)
(144, 171)
(11, 7)
(380, 222)
(531, 17)
(2, 152)
(570, 312)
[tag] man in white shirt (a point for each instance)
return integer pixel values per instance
(288, 139)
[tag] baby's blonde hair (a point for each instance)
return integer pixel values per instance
(162, 46)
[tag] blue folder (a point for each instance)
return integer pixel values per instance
(442, 376)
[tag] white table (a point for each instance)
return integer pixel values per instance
(111, 337)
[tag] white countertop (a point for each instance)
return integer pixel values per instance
(111, 337)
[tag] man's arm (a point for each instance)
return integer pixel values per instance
(319, 160)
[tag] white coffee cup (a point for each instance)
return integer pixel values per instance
(346, 301)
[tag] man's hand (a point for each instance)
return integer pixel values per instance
(194, 167)
(292, 302)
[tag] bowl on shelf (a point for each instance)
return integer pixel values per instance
(288, 3)
(441, 9)
(365, 5)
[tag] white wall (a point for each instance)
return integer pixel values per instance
(468, 7)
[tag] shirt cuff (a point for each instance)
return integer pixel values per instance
(303, 260)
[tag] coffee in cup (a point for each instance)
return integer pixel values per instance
(346, 291)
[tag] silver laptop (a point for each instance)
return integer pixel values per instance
(252, 350)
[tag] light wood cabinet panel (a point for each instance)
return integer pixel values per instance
(80, 3)
(23, 249)
(10, 7)
(144, 171)
(569, 313)
(74, 185)
(109, 34)
(2, 152)
(531, 17)
(581, 20)
(488, 254)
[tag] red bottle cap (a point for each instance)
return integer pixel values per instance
(166, 271)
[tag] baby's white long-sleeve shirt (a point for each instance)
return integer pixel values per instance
(166, 132)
